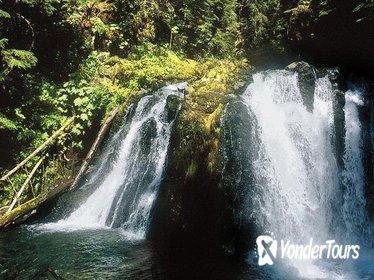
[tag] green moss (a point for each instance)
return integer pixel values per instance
(18, 212)
(198, 126)
(191, 169)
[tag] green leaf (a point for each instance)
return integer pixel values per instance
(3, 43)
(63, 97)
(75, 131)
(78, 101)
(7, 124)
(21, 59)
(19, 114)
(4, 14)
(323, 13)
(84, 117)
(358, 7)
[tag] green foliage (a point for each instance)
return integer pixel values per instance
(46, 176)
(263, 25)
(147, 72)
(364, 10)
(14, 58)
(7, 123)
(22, 59)
(4, 14)
(191, 170)
(101, 83)
(104, 82)
(93, 19)
(315, 9)
(205, 26)
(47, 6)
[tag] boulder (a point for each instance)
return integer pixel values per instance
(306, 78)
(239, 149)
(173, 103)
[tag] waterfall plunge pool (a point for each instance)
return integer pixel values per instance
(28, 253)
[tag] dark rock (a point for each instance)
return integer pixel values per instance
(338, 86)
(172, 106)
(306, 79)
(239, 148)
(149, 132)
(192, 209)
(339, 123)
(203, 208)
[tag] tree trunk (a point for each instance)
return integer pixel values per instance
(28, 179)
(38, 150)
(103, 130)
(24, 211)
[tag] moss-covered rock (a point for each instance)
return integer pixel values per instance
(193, 205)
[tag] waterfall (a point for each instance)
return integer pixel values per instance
(129, 172)
(355, 216)
(296, 163)
(298, 189)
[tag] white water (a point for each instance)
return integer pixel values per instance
(128, 185)
(297, 161)
(354, 213)
(299, 192)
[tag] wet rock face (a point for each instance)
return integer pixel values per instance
(172, 105)
(339, 87)
(238, 146)
(206, 206)
(239, 149)
(192, 208)
(149, 132)
(306, 79)
(307, 76)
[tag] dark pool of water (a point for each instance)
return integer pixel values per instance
(26, 253)
(106, 254)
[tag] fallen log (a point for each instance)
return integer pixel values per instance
(102, 132)
(24, 211)
(28, 179)
(38, 150)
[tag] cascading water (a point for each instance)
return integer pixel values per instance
(300, 192)
(129, 174)
(355, 227)
(297, 164)
(354, 213)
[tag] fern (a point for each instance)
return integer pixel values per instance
(3, 43)
(21, 59)
(7, 124)
(4, 14)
